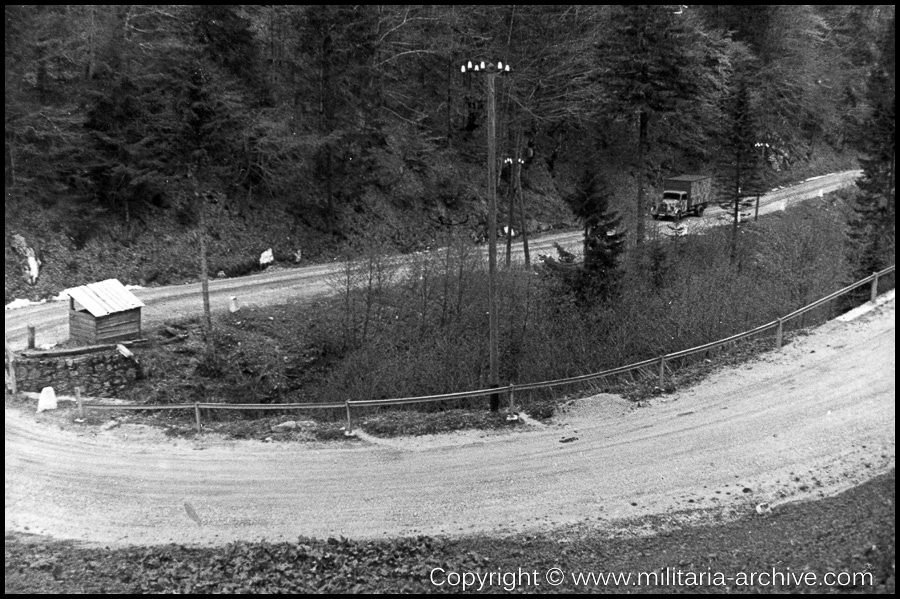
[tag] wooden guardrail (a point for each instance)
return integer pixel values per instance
(511, 389)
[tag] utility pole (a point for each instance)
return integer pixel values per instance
(491, 73)
(515, 178)
(204, 271)
(494, 382)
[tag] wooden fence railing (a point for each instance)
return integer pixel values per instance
(511, 389)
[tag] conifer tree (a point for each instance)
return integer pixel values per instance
(602, 237)
(657, 66)
(873, 227)
(603, 242)
(741, 163)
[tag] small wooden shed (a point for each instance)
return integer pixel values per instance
(103, 312)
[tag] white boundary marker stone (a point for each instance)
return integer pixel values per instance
(47, 400)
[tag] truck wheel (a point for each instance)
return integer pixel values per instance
(655, 216)
(700, 210)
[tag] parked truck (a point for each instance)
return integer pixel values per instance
(683, 195)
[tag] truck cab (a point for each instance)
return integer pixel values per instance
(673, 204)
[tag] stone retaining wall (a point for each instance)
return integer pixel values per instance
(99, 374)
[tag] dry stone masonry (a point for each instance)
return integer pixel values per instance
(103, 374)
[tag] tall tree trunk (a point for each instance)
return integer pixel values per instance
(89, 67)
(450, 74)
(522, 224)
(326, 113)
(737, 208)
(510, 199)
(11, 151)
(329, 193)
(642, 142)
(204, 270)
(516, 180)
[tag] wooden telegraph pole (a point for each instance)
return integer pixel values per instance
(204, 271)
(491, 72)
(494, 382)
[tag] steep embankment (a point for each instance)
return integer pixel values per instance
(405, 208)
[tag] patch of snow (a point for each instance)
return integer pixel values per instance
(33, 267)
(867, 307)
(266, 257)
(22, 303)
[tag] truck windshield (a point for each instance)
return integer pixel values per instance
(671, 195)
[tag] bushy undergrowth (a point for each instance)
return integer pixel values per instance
(426, 334)
(419, 325)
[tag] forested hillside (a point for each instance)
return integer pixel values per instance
(314, 127)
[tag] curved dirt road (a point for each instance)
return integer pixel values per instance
(814, 418)
(280, 286)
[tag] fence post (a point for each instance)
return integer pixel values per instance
(874, 294)
(349, 429)
(78, 399)
(512, 401)
(197, 415)
(662, 371)
(11, 357)
(778, 333)
(30, 337)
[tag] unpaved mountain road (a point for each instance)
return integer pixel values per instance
(814, 418)
(280, 286)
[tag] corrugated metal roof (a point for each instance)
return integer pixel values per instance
(104, 297)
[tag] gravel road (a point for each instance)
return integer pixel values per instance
(807, 421)
(279, 286)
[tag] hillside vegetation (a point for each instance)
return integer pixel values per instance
(313, 128)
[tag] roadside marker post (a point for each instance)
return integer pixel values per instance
(662, 372)
(778, 333)
(11, 358)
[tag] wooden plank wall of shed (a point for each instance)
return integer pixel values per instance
(119, 326)
(82, 327)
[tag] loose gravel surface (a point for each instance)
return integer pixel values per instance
(838, 544)
(806, 422)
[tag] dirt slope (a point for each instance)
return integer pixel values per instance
(810, 420)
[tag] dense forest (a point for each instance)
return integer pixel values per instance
(311, 127)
